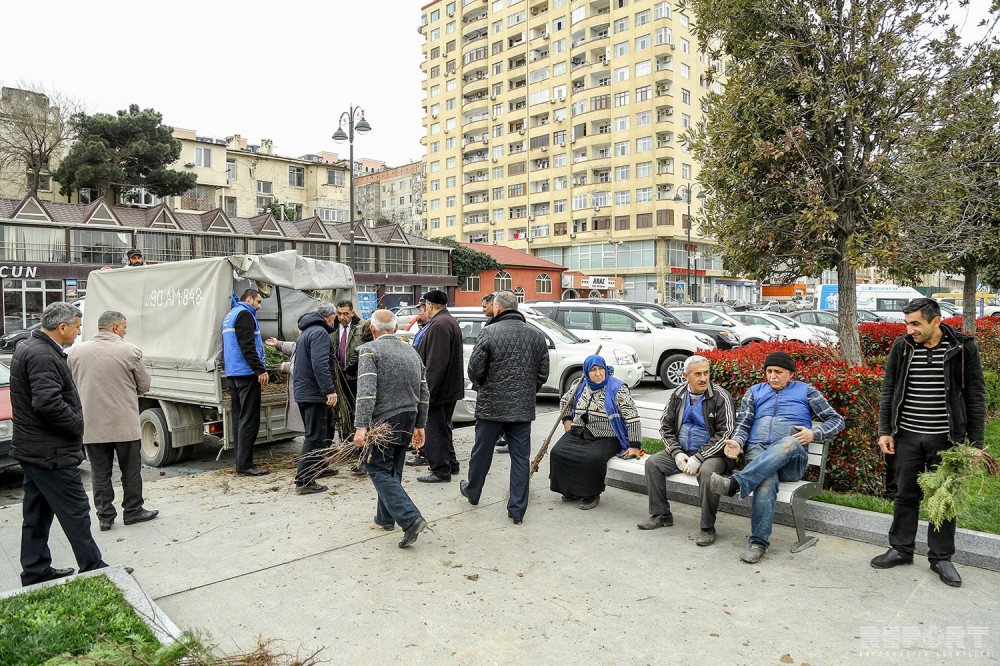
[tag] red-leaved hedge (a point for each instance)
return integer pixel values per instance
(854, 463)
(877, 339)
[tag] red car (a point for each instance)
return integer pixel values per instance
(6, 416)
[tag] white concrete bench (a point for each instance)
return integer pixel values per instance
(792, 493)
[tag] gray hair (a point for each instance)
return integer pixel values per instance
(383, 321)
(59, 313)
(326, 310)
(691, 361)
(506, 300)
(107, 320)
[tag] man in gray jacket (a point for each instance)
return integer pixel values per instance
(698, 417)
(109, 374)
(392, 389)
(510, 363)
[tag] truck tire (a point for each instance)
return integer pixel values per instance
(672, 370)
(155, 445)
(568, 381)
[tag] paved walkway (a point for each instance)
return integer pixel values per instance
(242, 558)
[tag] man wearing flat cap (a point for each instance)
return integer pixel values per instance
(134, 258)
(777, 420)
(439, 344)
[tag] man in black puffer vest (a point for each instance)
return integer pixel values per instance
(510, 363)
(48, 442)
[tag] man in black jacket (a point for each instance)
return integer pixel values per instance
(314, 391)
(439, 344)
(48, 442)
(510, 362)
(933, 397)
(698, 417)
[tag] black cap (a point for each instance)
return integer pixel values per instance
(780, 359)
(437, 297)
(133, 253)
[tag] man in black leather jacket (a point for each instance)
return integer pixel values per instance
(933, 397)
(510, 363)
(48, 442)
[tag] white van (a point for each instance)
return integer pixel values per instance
(886, 300)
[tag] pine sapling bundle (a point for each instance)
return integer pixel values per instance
(947, 488)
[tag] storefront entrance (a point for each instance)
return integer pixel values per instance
(24, 300)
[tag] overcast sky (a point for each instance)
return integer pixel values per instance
(283, 70)
(278, 70)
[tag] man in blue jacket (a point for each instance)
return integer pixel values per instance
(243, 354)
(776, 422)
(315, 391)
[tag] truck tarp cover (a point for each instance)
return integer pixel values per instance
(175, 310)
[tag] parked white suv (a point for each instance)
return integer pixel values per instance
(566, 351)
(662, 351)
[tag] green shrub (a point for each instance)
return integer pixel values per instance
(992, 391)
(854, 463)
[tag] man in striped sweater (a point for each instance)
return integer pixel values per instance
(392, 389)
(933, 397)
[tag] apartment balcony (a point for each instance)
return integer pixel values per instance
(475, 16)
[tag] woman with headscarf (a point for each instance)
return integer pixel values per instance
(601, 423)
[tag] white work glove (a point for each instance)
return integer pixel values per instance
(693, 465)
(682, 460)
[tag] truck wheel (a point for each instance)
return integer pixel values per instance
(155, 442)
(184, 453)
(672, 371)
(570, 378)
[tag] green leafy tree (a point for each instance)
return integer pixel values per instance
(132, 148)
(466, 262)
(801, 152)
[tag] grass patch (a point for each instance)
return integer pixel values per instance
(982, 513)
(68, 620)
(650, 445)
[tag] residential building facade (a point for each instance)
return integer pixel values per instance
(393, 195)
(48, 249)
(528, 276)
(553, 126)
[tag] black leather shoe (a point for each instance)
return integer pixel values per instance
(411, 532)
(106, 524)
(416, 461)
(140, 517)
(61, 573)
(253, 471)
(517, 521)
(890, 558)
(463, 487)
(947, 572)
(359, 470)
(329, 471)
(433, 478)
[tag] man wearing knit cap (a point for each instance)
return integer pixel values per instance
(439, 344)
(777, 420)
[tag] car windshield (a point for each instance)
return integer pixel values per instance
(717, 318)
(557, 332)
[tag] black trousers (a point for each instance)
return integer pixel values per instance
(314, 415)
(519, 443)
(59, 493)
(244, 393)
(102, 460)
(439, 446)
(916, 453)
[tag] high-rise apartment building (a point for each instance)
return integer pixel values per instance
(554, 126)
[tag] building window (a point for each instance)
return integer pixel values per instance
(19, 243)
(201, 197)
(471, 283)
(432, 262)
(315, 250)
(519, 294)
(220, 246)
(644, 221)
(89, 246)
(396, 259)
(296, 176)
(164, 247)
(203, 157)
(543, 283)
(263, 187)
(230, 171)
(502, 281)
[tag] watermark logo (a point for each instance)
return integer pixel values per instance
(925, 641)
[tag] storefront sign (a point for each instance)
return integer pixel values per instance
(7, 271)
(597, 282)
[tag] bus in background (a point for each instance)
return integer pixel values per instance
(885, 300)
(987, 304)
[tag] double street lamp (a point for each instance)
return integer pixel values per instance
(687, 197)
(354, 120)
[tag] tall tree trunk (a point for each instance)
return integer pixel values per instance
(847, 284)
(970, 307)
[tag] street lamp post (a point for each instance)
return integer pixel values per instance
(687, 197)
(354, 119)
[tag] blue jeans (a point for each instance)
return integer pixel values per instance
(519, 445)
(385, 469)
(785, 460)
